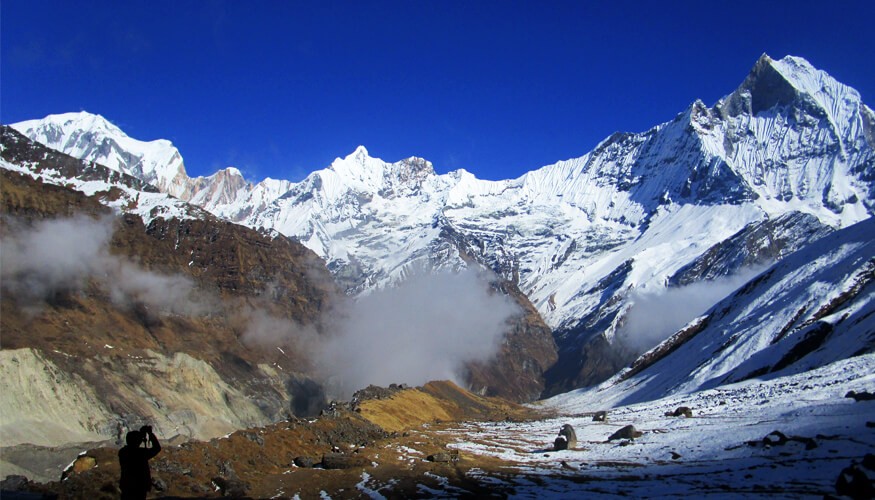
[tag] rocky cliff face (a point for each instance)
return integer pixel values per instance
(149, 324)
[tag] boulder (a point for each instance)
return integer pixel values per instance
(305, 462)
(627, 432)
(680, 411)
(857, 481)
(778, 438)
(443, 456)
(860, 396)
(14, 482)
(567, 431)
(600, 416)
(231, 487)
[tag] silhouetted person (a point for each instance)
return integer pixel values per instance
(136, 480)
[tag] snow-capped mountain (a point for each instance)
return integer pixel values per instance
(813, 308)
(784, 159)
(93, 138)
(514, 369)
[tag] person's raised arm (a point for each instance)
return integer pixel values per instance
(155, 445)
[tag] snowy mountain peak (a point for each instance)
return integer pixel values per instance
(359, 156)
(361, 152)
(83, 120)
(93, 138)
(791, 81)
(362, 173)
(232, 171)
(579, 237)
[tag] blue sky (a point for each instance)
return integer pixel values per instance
(281, 88)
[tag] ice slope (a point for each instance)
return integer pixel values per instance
(374, 222)
(814, 307)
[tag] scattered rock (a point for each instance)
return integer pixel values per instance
(860, 396)
(452, 456)
(675, 455)
(254, 437)
(778, 438)
(600, 416)
(112, 488)
(227, 470)
(680, 411)
(566, 466)
(159, 484)
(628, 432)
(375, 392)
(333, 410)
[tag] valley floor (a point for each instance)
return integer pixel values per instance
(721, 451)
(728, 448)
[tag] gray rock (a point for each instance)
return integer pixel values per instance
(305, 462)
(628, 432)
(680, 411)
(443, 456)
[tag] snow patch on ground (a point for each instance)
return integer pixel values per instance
(718, 451)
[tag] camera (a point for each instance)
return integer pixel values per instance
(146, 429)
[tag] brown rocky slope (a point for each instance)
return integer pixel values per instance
(338, 454)
(80, 365)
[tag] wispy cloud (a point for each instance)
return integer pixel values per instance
(654, 316)
(66, 255)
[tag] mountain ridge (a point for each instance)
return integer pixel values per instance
(582, 236)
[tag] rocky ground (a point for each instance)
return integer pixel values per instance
(793, 437)
(389, 442)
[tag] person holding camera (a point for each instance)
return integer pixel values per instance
(136, 477)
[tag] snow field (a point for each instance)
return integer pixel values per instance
(708, 453)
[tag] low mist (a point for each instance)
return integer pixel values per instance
(66, 255)
(654, 316)
(426, 328)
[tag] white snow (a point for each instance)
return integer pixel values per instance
(714, 454)
(656, 199)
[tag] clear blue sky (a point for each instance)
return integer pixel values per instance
(281, 88)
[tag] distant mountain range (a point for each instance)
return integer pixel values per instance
(784, 159)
